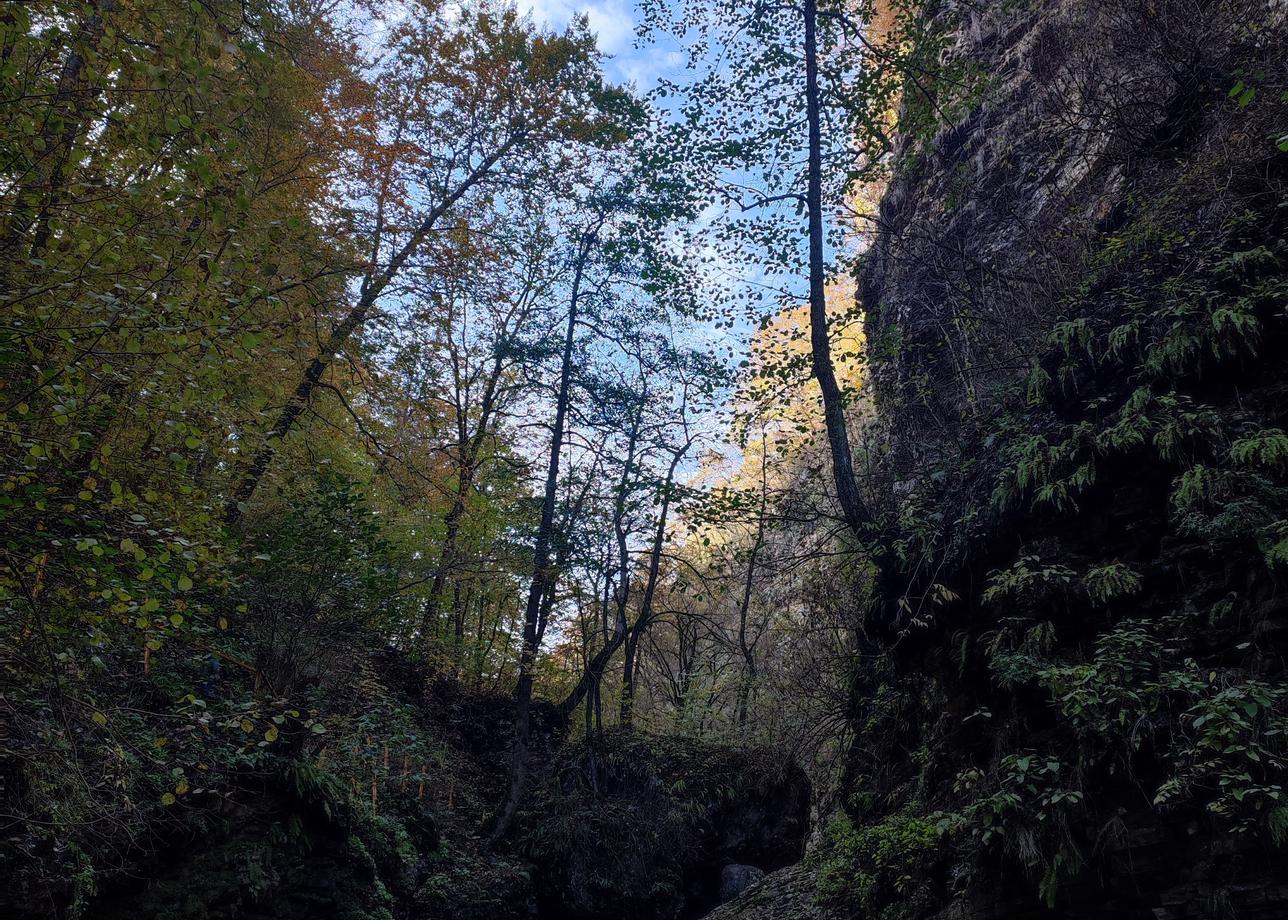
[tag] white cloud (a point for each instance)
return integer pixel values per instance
(613, 21)
(643, 66)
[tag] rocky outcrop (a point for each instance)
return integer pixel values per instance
(645, 828)
(1068, 117)
(1072, 700)
(1076, 310)
(629, 827)
(736, 878)
(787, 894)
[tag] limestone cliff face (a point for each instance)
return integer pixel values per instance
(1076, 304)
(1086, 112)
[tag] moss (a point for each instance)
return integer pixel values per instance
(464, 886)
(263, 863)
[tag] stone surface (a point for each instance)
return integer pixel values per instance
(1106, 124)
(787, 894)
(737, 878)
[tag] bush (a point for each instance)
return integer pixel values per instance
(877, 871)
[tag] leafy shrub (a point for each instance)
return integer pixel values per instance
(876, 871)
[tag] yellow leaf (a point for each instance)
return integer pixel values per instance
(271, 734)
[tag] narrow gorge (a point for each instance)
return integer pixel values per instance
(644, 461)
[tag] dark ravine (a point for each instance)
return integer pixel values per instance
(646, 828)
(637, 827)
(1062, 668)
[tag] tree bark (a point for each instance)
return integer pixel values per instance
(62, 129)
(847, 491)
(748, 649)
(540, 565)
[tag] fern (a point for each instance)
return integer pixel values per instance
(1277, 824)
(1122, 336)
(1027, 576)
(1108, 582)
(1038, 382)
(1062, 869)
(1071, 332)
(1268, 448)
(1274, 544)
(1192, 488)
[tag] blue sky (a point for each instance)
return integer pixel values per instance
(613, 21)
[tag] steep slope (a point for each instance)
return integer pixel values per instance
(1073, 701)
(379, 817)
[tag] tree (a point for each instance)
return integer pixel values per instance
(157, 278)
(621, 261)
(675, 451)
(772, 163)
(467, 337)
(587, 242)
(478, 100)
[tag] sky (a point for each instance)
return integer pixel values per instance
(613, 22)
(629, 60)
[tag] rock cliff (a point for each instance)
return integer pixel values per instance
(1072, 699)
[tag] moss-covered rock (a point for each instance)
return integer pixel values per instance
(263, 860)
(640, 827)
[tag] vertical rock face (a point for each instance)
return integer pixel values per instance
(1076, 305)
(1083, 113)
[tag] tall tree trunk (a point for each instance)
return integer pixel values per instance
(447, 557)
(594, 673)
(627, 713)
(63, 126)
(459, 606)
(624, 572)
(745, 646)
(847, 491)
(61, 130)
(540, 567)
(469, 449)
(626, 709)
(587, 687)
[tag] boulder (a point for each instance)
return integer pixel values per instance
(737, 878)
